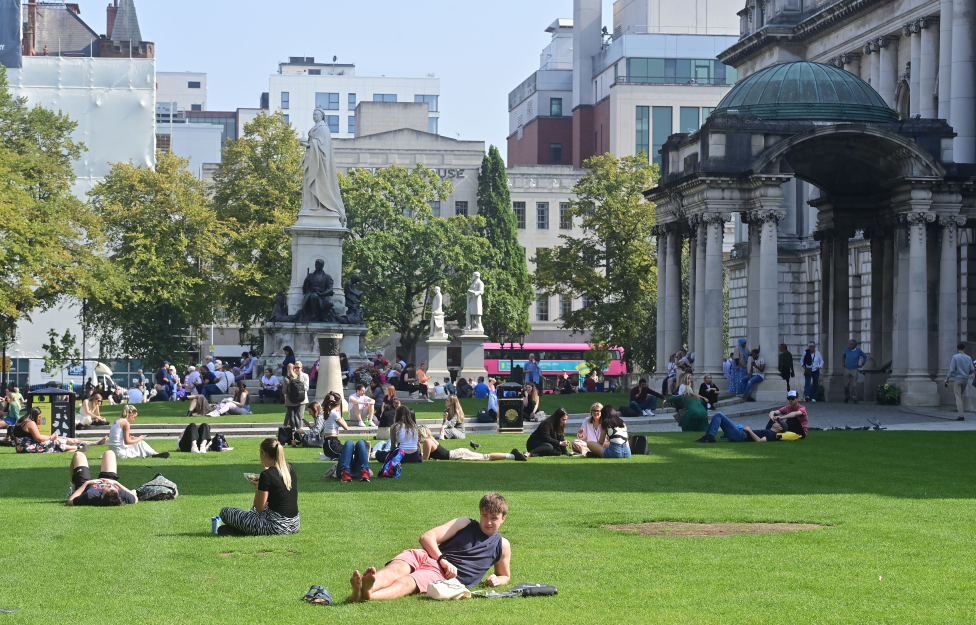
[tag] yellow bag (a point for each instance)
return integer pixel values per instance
(788, 436)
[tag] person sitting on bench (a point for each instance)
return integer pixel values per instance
(462, 549)
(104, 491)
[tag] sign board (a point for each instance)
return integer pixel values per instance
(11, 46)
(62, 421)
(5, 364)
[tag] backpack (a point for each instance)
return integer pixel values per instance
(219, 443)
(157, 489)
(297, 390)
(286, 435)
(484, 416)
(391, 467)
(638, 445)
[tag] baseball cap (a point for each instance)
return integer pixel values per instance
(811, 344)
(791, 394)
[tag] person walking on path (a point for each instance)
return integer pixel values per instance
(960, 370)
(812, 362)
(854, 359)
(786, 370)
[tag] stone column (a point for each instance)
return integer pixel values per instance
(437, 359)
(840, 314)
(753, 280)
(702, 235)
(888, 69)
(766, 221)
(662, 278)
(899, 335)
(852, 62)
(878, 329)
(871, 48)
(713, 352)
(330, 372)
(911, 32)
(887, 294)
(928, 67)
(672, 310)
(918, 388)
(962, 109)
(692, 284)
(826, 280)
(945, 58)
(949, 288)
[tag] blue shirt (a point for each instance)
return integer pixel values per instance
(852, 358)
(532, 372)
(481, 390)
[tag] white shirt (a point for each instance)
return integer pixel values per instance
(356, 400)
(273, 381)
(331, 425)
(210, 365)
(224, 380)
(759, 362)
(493, 400)
(193, 377)
(135, 396)
(440, 392)
(304, 378)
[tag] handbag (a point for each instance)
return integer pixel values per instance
(157, 489)
(447, 590)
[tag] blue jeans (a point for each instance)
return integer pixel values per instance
(649, 404)
(732, 433)
(210, 389)
(815, 379)
(616, 450)
(754, 380)
(354, 455)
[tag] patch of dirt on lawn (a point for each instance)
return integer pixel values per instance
(702, 530)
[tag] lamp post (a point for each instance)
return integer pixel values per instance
(84, 343)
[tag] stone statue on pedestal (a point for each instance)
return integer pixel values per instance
(354, 301)
(320, 182)
(437, 330)
(317, 304)
(475, 291)
(280, 312)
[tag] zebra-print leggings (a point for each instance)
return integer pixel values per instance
(254, 523)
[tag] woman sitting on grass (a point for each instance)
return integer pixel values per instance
(613, 441)
(241, 400)
(29, 439)
(530, 402)
(332, 448)
(453, 424)
(690, 414)
(275, 509)
(404, 434)
(315, 431)
(590, 430)
(91, 412)
(388, 417)
(548, 439)
(199, 406)
(124, 444)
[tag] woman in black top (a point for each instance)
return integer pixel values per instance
(709, 391)
(275, 509)
(548, 439)
(289, 359)
(786, 370)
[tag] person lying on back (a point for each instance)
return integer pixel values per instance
(772, 435)
(104, 491)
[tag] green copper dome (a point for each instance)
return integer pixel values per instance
(806, 91)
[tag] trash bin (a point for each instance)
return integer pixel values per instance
(57, 411)
(510, 407)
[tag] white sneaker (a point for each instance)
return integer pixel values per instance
(193, 448)
(429, 400)
(204, 447)
(814, 400)
(361, 424)
(650, 414)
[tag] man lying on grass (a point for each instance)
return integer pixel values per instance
(775, 432)
(463, 548)
(105, 491)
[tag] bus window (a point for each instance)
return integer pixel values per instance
(615, 354)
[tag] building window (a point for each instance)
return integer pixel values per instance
(432, 125)
(519, 208)
(352, 124)
(196, 107)
(352, 101)
(542, 308)
(689, 119)
(555, 107)
(542, 215)
(555, 152)
(193, 85)
(589, 301)
(327, 101)
(565, 221)
(286, 119)
(565, 306)
(384, 97)
(435, 208)
(333, 123)
(661, 129)
(461, 208)
(431, 101)
(284, 100)
(314, 72)
(644, 130)
(706, 112)
(679, 72)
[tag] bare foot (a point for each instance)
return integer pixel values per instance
(368, 580)
(357, 587)
(102, 440)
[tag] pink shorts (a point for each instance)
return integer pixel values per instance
(423, 569)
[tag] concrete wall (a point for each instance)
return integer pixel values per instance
(533, 147)
(174, 87)
(376, 117)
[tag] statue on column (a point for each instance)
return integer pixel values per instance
(354, 301)
(320, 182)
(475, 291)
(280, 311)
(317, 304)
(437, 330)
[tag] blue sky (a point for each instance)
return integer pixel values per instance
(479, 50)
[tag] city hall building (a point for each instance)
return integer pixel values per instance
(845, 158)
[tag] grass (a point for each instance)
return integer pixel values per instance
(172, 412)
(899, 549)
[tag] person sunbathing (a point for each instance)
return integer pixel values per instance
(104, 491)
(462, 548)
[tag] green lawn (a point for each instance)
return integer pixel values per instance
(899, 549)
(172, 412)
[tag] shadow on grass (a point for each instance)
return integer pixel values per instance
(912, 465)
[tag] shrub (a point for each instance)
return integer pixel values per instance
(888, 395)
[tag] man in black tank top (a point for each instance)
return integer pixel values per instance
(462, 548)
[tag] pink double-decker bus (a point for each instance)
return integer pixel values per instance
(553, 359)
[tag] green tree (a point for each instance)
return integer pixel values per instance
(168, 247)
(613, 263)
(506, 303)
(60, 353)
(47, 235)
(402, 251)
(258, 193)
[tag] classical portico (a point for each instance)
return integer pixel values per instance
(885, 181)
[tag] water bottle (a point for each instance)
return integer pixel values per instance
(215, 522)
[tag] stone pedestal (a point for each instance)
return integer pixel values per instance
(330, 373)
(437, 359)
(314, 239)
(773, 387)
(303, 338)
(472, 357)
